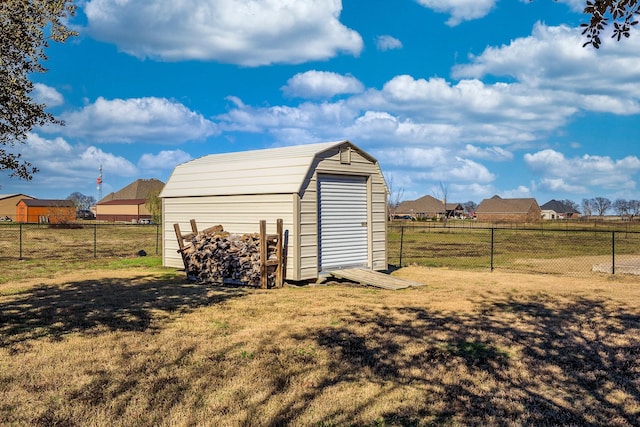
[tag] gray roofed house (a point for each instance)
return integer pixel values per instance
(497, 209)
(555, 209)
(427, 207)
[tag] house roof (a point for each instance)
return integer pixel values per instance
(425, 204)
(48, 203)
(557, 206)
(8, 196)
(139, 189)
(270, 171)
(498, 205)
(127, 202)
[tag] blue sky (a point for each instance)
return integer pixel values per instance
(480, 97)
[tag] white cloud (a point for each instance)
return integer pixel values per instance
(164, 160)
(67, 167)
(249, 33)
(575, 5)
(460, 10)
(47, 95)
(559, 185)
(387, 42)
(154, 120)
(553, 59)
(321, 84)
(487, 153)
(597, 171)
(515, 193)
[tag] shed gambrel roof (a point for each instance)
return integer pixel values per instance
(281, 170)
(498, 205)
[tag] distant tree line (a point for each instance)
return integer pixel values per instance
(599, 206)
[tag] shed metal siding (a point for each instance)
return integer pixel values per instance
(237, 214)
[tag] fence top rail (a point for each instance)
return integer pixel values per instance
(518, 228)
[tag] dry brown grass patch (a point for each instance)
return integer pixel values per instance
(468, 349)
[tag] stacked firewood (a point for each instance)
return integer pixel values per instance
(214, 255)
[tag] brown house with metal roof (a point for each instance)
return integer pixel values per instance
(497, 209)
(45, 211)
(428, 207)
(128, 204)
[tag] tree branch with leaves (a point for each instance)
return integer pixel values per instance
(621, 13)
(26, 29)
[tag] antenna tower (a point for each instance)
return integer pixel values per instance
(99, 180)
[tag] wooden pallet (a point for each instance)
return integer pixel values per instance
(373, 278)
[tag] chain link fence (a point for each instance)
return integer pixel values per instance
(77, 241)
(528, 249)
(532, 250)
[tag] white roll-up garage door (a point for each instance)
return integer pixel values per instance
(342, 222)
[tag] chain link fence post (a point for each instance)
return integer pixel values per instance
(95, 240)
(20, 241)
(613, 252)
(401, 241)
(492, 240)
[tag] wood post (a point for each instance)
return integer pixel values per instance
(263, 254)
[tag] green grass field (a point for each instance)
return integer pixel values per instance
(543, 250)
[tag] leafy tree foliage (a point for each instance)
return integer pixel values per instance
(622, 13)
(26, 29)
(154, 205)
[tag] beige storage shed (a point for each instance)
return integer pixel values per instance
(331, 197)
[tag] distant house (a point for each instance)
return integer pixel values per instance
(8, 204)
(555, 209)
(428, 207)
(130, 210)
(45, 211)
(497, 209)
(128, 204)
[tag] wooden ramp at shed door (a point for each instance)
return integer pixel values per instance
(373, 278)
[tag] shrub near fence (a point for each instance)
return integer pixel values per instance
(77, 241)
(537, 250)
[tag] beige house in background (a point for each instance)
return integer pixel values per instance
(497, 209)
(128, 204)
(331, 197)
(129, 210)
(8, 203)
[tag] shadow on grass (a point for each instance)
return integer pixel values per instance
(513, 363)
(94, 306)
